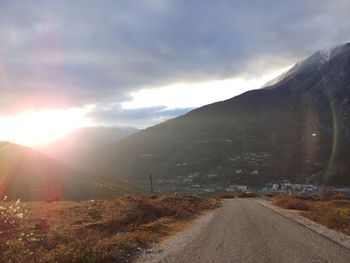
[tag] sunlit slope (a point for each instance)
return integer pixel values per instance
(30, 175)
(297, 128)
(81, 139)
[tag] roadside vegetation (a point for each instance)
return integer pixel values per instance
(239, 195)
(92, 231)
(331, 211)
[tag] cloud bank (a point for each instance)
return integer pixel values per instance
(74, 53)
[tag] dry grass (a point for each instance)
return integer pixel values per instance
(227, 196)
(239, 195)
(292, 203)
(248, 195)
(331, 211)
(97, 231)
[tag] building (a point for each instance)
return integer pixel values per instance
(236, 188)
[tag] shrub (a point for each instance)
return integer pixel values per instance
(248, 195)
(344, 212)
(228, 196)
(109, 230)
(341, 197)
(292, 203)
(333, 212)
(10, 214)
(325, 214)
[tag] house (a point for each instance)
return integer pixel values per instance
(276, 186)
(236, 188)
(304, 188)
(187, 180)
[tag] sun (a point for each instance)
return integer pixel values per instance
(33, 128)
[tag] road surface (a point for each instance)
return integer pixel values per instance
(243, 231)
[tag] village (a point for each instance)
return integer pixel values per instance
(277, 187)
(285, 187)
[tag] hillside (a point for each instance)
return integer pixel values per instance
(30, 175)
(83, 139)
(296, 128)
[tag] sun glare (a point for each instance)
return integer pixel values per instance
(34, 128)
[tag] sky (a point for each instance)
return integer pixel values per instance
(137, 63)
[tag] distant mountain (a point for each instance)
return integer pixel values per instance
(297, 127)
(30, 175)
(84, 139)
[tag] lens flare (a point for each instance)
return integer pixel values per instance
(330, 166)
(40, 127)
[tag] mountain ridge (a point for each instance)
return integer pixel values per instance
(287, 131)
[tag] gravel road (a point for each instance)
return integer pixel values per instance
(243, 231)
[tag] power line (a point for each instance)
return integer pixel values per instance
(150, 178)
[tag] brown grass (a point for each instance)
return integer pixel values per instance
(331, 211)
(97, 231)
(227, 196)
(239, 195)
(292, 203)
(248, 195)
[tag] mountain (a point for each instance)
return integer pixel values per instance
(83, 139)
(297, 127)
(30, 175)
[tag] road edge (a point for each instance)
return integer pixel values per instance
(332, 235)
(178, 241)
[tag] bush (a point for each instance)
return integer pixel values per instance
(248, 195)
(228, 196)
(10, 214)
(325, 214)
(108, 230)
(332, 211)
(341, 197)
(292, 203)
(344, 212)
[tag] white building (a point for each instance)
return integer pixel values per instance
(236, 188)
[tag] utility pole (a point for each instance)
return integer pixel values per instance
(150, 178)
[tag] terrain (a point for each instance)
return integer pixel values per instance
(331, 211)
(297, 127)
(95, 230)
(30, 175)
(64, 149)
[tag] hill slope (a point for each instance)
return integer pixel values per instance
(30, 175)
(297, 128)
(82, 139)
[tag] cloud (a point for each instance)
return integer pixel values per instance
(195, 94)
(139, 118)
(73, 53)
